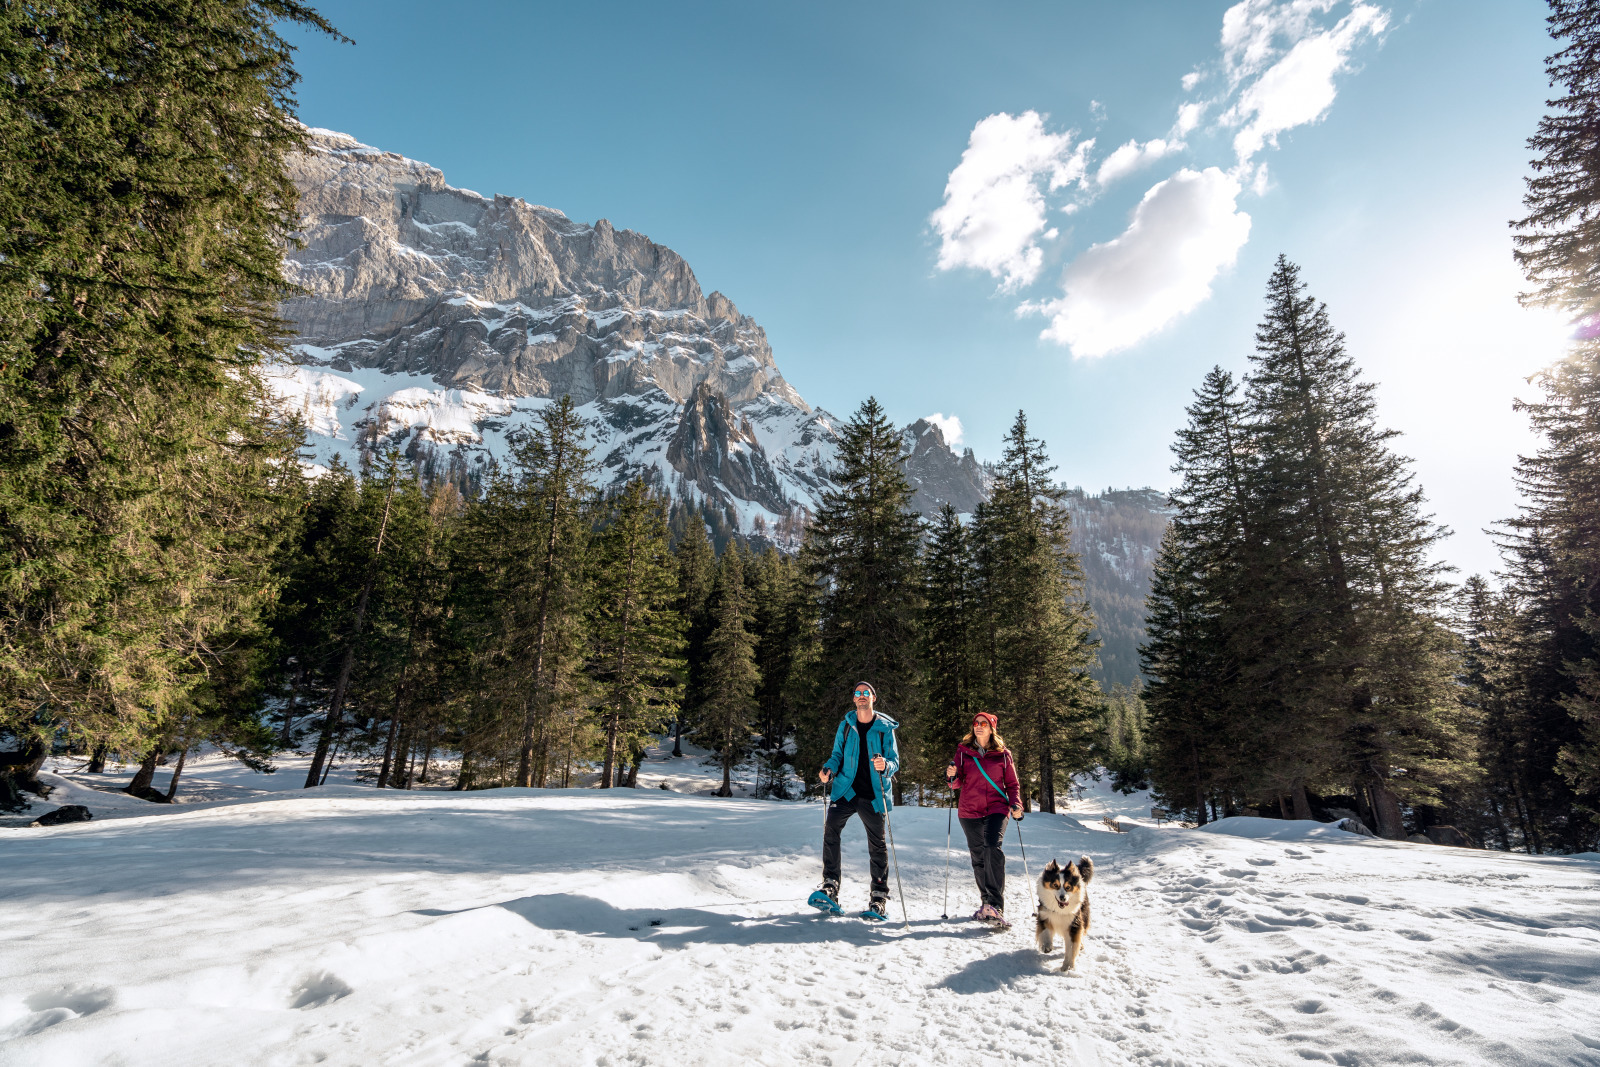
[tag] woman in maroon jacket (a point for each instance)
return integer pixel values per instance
(985, 777)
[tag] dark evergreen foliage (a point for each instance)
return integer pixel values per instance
(143, 205)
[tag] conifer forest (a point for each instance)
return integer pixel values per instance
(176, 574)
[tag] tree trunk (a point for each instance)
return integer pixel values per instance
(317, 775)
(611, 752)
(1283, 806)
(463, 776)
(411, 762)
(284, 737)
(1387, 807)
(1302, 803)
(1199, 786)
(677, 737)
(633, 769)
(177, 772)
(97, 759)
(1047, 769)
(140, 786)
(427, 757)
(726, 789)
(388, 744)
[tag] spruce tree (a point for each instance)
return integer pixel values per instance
(776, 593)
(1187, 695)
(697, 568)
(635, 631)
(1038, 642)
(1555, 242)
(1359, 663)
(950, 635)
(145, 203)
(552, 466)
(1555, 579)
(731, 676)
(860, 556)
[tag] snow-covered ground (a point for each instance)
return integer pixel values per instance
(350, 926)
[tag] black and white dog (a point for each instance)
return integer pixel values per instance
(1064, 907)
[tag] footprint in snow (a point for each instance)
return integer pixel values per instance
(58, 1006)
(317, 990)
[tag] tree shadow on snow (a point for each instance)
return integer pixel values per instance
(991, 974)
(681, 927)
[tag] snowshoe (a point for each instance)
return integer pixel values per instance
(826, 899)
(878, 910)
(993, 916)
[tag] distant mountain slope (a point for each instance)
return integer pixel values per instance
(1117, 534)
(437, 320)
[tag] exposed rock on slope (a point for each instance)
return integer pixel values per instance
(437, 320)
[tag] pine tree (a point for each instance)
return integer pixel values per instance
(1555, 578)
(950, 635)
(731, 676)
(553, 468)
(1039, 644)
(697, 568)
(1358, 662)
(1556, 240)
(1212, 611)
(635, 629)
(372, 567)
(145, 203)
(776, 593)
(860, 555)
(1183, 656)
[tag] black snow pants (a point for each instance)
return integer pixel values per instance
(839, 813)
(984, 838)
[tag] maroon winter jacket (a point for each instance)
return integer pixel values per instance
(978, 797)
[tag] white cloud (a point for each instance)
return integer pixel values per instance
(949, 425)
(1298, 88)
(1190, 80)
(1255, 31)
(1189, 116)
(993, 213)
(1185, 230)
(1133, 156)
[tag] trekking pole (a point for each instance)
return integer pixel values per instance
(1027, 878)
(948, 819)
(889, 826)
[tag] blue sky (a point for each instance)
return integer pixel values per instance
(856, 177)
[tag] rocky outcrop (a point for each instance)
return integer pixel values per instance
(406, 274)
(714, 447)
(437, 320)
(938, 475)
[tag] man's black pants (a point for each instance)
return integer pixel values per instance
(839, 813)
(984, 838)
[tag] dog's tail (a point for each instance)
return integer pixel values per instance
(1085, 868)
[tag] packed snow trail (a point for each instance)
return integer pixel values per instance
(349, 926)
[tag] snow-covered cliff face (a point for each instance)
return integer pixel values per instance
(437, 320)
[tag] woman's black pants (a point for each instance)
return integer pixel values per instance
(984, 838)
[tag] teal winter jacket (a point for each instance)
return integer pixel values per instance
(847, 750)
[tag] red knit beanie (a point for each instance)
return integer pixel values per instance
(994, 723)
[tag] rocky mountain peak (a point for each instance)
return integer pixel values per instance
(437, 319)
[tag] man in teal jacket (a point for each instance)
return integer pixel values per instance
(864, 759)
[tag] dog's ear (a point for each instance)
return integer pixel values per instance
(1054, 866)
(1086, 868)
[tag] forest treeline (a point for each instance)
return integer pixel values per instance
(172, 575)
(1305, 652)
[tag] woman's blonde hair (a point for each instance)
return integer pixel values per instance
(996, 742)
